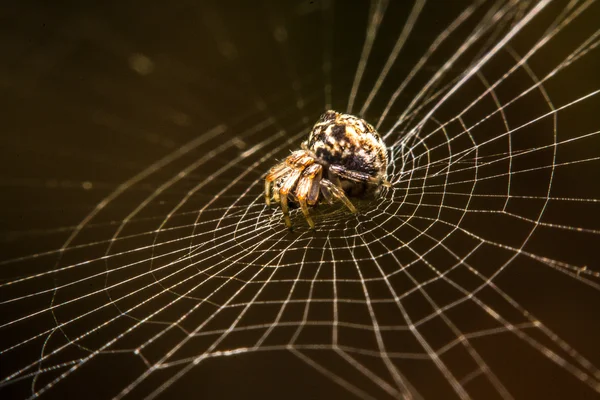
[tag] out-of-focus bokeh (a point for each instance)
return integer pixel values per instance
(137, 256)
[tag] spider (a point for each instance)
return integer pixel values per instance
(343, 156)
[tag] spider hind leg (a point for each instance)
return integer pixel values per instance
(356, 176)
(363, 182)
(331, 191)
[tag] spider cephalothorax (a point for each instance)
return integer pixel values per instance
(343, 156)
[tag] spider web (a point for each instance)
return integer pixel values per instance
(141, 262)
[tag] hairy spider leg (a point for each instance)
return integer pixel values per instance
(297, 158)
(333, 178)
(283, 168)
(275, 173)
(330, 190)
(287, 185)
(356, 176)
(313, 195)
(326, 195)
(301, 160)
(310, 178)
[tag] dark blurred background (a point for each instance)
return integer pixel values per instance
(99, 98)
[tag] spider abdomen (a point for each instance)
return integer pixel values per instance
(350, 142)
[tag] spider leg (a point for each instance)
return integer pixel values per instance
(299, 159)
(313, 194)
(287, 185)
(333, 178)
(330, 190)
(275, 173)
(355, 176)
(326, 195)
(286, 175)
(305, 188)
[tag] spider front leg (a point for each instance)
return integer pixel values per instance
(275, 173)
(287, 185)
(330, 190)
(307, 190)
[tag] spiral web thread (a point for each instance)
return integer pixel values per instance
(183, 262)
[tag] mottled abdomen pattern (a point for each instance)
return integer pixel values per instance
(348, 141)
